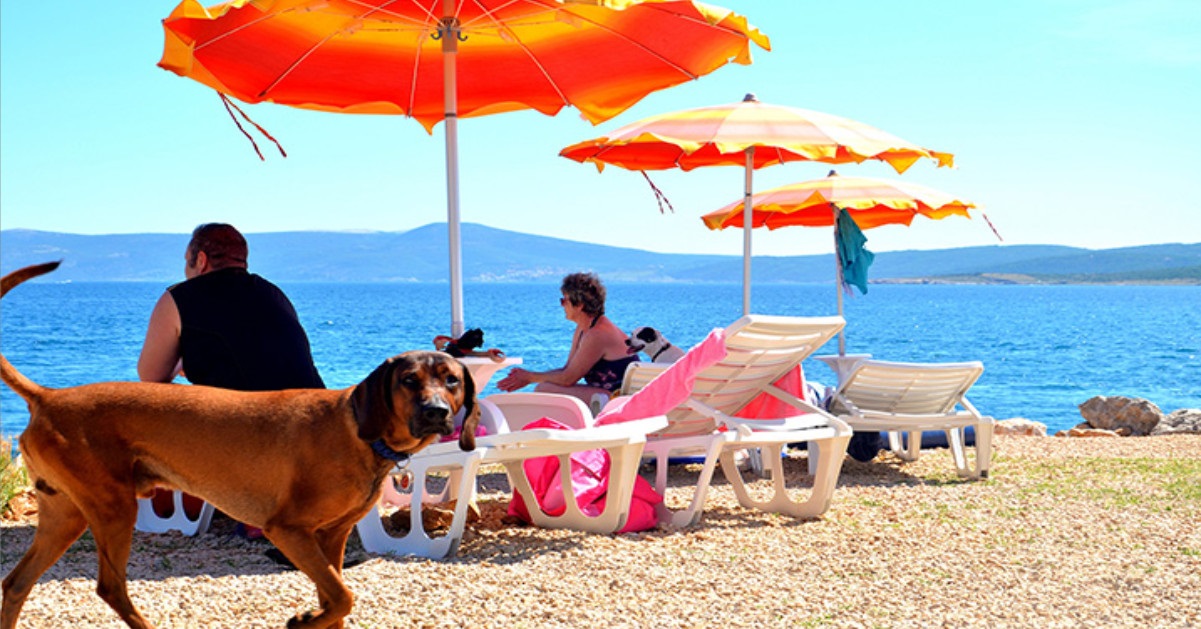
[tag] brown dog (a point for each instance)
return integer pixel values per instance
(303, 465)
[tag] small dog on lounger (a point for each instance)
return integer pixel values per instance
(467, 345)
(304, 465)
(651, 342)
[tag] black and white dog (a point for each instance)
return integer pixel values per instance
(650, 342)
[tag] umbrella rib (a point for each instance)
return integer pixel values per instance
(292, 66)
(372, 8)
(640, 45)
(299, 60)
(500, 27)
(232, 31)
(550, 80)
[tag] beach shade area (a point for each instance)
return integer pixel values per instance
(441, 60)
(749, 134)
(834, 201)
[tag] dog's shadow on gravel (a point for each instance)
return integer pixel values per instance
(219, 552)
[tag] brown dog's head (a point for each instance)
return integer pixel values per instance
(411, 400)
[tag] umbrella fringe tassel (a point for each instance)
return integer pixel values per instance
(659, 196)
(230, 107)
(990, 226)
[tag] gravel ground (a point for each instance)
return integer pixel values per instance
(1066, 533)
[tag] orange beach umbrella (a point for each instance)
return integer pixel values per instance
(436, 60)
(751, 134)
(869, 202)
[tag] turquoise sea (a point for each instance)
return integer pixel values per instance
(1045, 349)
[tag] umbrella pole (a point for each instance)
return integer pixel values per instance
(746, 233)
(842, 334)
(450, 49)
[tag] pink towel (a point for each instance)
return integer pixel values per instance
(670, 388)
(767, 406)
(589, 484)
(590, 470)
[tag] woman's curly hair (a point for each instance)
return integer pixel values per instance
(587, 291)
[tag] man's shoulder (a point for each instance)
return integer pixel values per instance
(223, 281)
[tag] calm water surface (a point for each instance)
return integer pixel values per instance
(1045, 349)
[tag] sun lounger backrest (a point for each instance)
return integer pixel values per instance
(910, 388)
(760, 350)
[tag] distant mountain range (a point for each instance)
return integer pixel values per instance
(494, 255)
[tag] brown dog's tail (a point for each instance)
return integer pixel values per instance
(24, 387)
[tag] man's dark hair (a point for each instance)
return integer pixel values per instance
(221, 243)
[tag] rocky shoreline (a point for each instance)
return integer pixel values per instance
(1115, 416)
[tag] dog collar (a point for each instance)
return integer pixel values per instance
(382, 449)
(665, 348)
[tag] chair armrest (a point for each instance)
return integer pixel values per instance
(970, 408)
(811, 417)
(519, 409)
(591, 437)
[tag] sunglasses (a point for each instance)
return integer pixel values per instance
(562, 301)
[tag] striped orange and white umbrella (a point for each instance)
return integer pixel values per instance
(870, 203)
(441, 60)
(751, 134)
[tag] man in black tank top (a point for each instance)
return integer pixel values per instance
(225, 327)
(239, 331)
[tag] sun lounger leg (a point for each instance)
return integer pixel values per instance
(417, 542)
(955, 441)
(825, 455)
(831, 454)
(814, 455)
(907, 446)
(691, 514)
(984, 433)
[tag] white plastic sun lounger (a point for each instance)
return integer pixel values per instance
(912, 397)
(760, 350)
(505, 415)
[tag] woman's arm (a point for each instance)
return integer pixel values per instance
(586, 352)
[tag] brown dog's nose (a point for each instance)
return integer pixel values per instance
(434, 418)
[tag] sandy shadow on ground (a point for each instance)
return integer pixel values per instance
(491, 537)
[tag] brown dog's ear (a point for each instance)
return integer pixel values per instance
(371, 401)
(471, 412)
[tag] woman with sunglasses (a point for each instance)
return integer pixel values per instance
(599, 354)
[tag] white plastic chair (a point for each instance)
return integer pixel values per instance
(150, 522)
(760, 350)
(503, 416)
(907, 398)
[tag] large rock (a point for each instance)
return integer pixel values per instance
(1185, 420)
(1116, 412)
(1020, 426)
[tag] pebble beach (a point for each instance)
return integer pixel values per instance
(1065, 533)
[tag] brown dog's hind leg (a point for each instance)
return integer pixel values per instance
(303, 550)
(114, 535)
(60, 523)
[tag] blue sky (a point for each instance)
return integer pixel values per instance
(1073, 122)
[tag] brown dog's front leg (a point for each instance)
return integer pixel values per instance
(302, 549)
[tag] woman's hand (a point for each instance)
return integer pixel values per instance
(516, 379)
